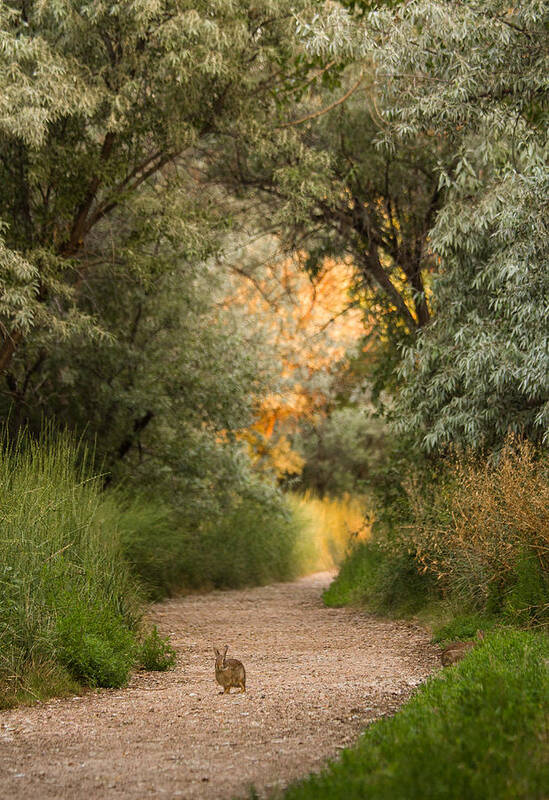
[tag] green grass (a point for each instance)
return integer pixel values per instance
(477, 731)
(251, 544)
(70, 608)
(383, 582)
(460, 626)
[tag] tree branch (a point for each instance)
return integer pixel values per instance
(324, 110)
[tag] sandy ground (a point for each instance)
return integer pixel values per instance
(315, 677)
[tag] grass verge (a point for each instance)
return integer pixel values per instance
(384, 582)
(478, 730)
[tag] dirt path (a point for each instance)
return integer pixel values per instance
(316, 676)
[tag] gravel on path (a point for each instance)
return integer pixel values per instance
(315, 677)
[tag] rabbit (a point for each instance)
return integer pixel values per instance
(455, 651)
(229, 671)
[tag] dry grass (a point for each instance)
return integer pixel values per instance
(486, 523)
(329, 526)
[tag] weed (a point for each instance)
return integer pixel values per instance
(156, 652)
(482, 532)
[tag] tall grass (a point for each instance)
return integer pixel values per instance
(329, 526)
(252, 544)
(69, 606)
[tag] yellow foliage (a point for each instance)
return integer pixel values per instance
(311, 327)
(274, 455)
(329, 526)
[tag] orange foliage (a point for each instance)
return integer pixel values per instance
(310, 326)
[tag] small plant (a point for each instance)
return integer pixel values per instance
(156, 652)
(95, 644)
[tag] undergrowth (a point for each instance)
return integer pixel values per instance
(384, 582)
(251, 544)
(478, 730)
(70, 608)
(473, 541)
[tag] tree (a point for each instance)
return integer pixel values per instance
(160, 396)
(308, 331)
(101, 98)
(333, 189)
(476, 74)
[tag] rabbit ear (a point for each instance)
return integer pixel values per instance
(216, 651)
(225, 650)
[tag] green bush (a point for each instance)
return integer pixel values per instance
(477, 730)
(253, 543)
(384, 581)
(156, 652)
(154, 544)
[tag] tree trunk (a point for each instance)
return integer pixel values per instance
(7, 349)
(372, 268)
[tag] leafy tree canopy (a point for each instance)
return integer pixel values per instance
(476, 74)
(100, 98)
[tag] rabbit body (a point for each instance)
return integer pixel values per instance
(457, 650)
(229, 672)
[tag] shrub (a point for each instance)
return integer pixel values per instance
(156, 652)
(94, 642)
(252, 544)
(474, 534)
(154, 543)
(483, 532)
